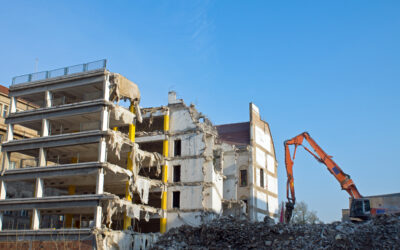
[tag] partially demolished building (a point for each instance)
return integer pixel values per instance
(250, 166)
(102, 175)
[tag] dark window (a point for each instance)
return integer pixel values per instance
(177, 173)
(177, 147)
(261, 177)
(176, 199)
(243, 178)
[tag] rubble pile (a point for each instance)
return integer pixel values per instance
(382, 232)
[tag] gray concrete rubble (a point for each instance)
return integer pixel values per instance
(232, 233)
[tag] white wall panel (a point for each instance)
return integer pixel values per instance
(260, 157)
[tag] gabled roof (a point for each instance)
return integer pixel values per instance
(234, 133)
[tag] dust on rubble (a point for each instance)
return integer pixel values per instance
(382, 232)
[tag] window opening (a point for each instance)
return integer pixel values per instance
(177, 147)
(177, 173)
(243, 178)
(261, 177)
(176, 199)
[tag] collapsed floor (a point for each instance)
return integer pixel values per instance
(382, 232)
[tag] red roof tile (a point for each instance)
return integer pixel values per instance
(3, 89)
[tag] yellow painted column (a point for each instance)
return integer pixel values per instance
(71, 191)
(163, 219)
(132, 130)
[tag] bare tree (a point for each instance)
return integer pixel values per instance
(301, 214)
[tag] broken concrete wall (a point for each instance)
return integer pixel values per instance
(178, 218)
(264, 197)
(201, 183)
(229, 155)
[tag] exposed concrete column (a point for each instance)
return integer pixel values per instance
(105, 111)
(97, 216)
(10, 132)
(42, 151)
(3, 192)
(102, 157)
(102, 154)
(42, 157)
(6, 160)
(163, 219)
(39, 188)
(45, 127)
(13, 105)
(100, 181)
(45, 130)
(104, 119)
(98, 211)
(132, 131)
(106, 88)
(48, 99)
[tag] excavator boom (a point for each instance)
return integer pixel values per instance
(344, 179)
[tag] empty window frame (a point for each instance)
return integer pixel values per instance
(261, 177)
(176, 199)
(177, 173)
(177, 148)
(243, 178)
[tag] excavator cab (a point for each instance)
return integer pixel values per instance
(360, 209)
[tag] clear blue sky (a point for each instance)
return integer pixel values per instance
(329, 68)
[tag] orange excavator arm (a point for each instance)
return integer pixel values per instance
(344, 179)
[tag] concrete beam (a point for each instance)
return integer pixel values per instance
(55, 112)
(54, 141)
(151, 138)
(52, 84)
(52, 171)
(55, 202)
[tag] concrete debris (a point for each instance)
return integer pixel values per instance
(382, 232)
(122, 88)
(138, 112)
(116, 141)
(235, 208)
(144, 158)
(144, 241)
(122, 206)
(117, 170)
(116, 240)
(121, 113)
(142, 186)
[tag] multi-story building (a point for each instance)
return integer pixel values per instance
(99, 171)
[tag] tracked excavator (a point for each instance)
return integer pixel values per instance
(360, 207)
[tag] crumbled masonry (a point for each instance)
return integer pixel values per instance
(382, 232)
